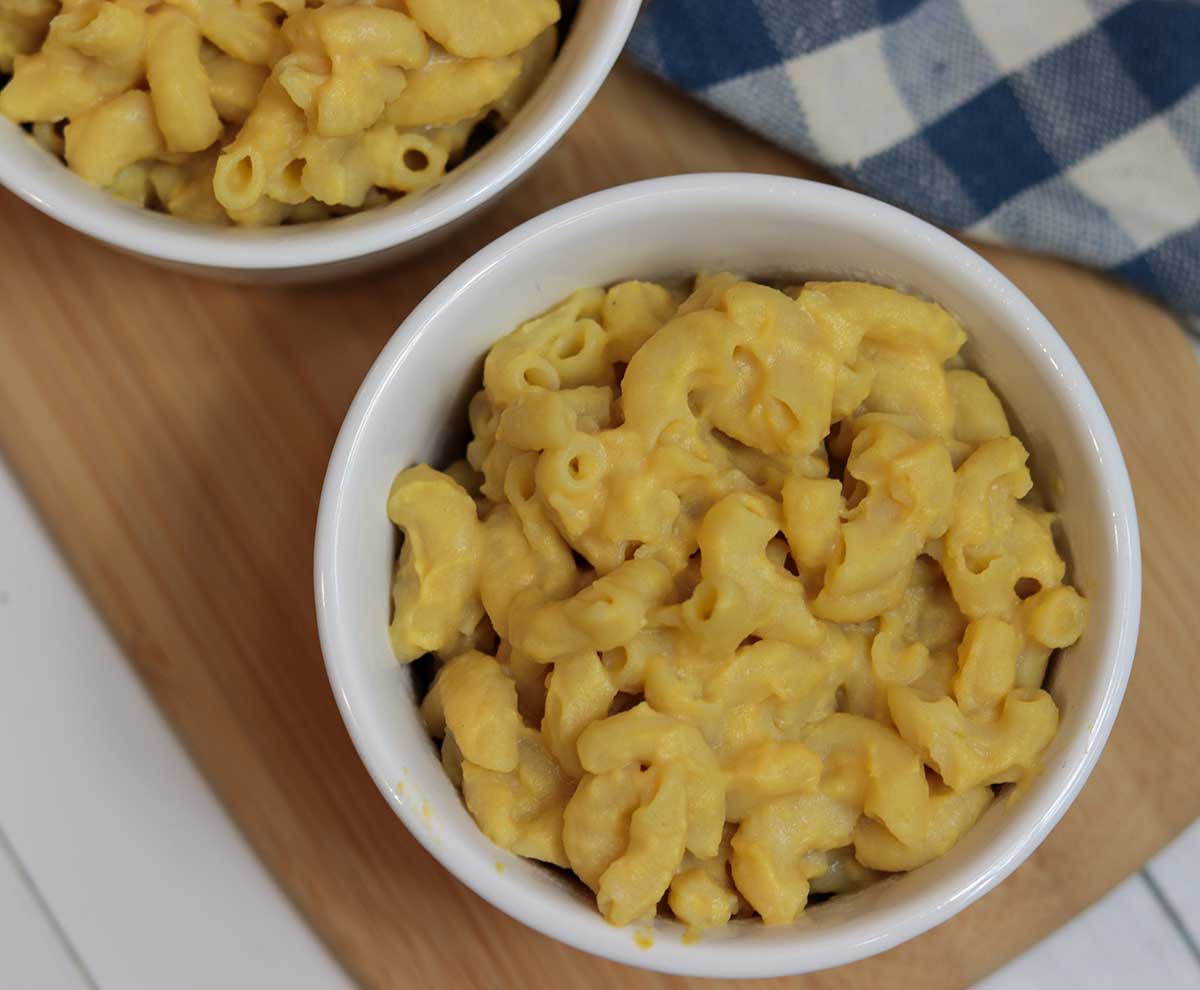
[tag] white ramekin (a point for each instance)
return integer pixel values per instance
(411, 408)
(310, 252)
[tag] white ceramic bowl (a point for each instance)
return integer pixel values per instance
(412, 408)
(348, 245)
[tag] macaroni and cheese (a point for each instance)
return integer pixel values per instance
(256, 113)
(739, 597)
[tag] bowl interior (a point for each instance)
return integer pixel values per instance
(412, 408)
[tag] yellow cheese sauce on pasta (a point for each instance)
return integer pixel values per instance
(739, 596)
(259, 113)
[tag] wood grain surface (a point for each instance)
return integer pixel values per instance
(174, 434)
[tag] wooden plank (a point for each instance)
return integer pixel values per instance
(174, 434)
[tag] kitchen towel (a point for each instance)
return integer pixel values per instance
(1066, 126)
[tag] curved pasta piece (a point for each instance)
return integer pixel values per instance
(572, 481)
(1032, 546)
(484, 28)
(780, 399)
(346, 64)
(473, 698)
(402, 161)
(382, 34)
(659, 378)
(993, 541)
(673, 686)
(868, 766)
(978, 414)
(435, 591)
(524, 552)
(904, 340)
(642, 735)
(579, 692)
(179, 85)
(1049, 620)
(596, 820)
(305, 67)
(109, 137)
(908, 502)
(522, 810)
(510, 566)
(447, 90)
(951, 814)
(967, 754)
(702, 900)
(1056, 617)
(497, 466)
(915, 642)
(624, 834)
(635, 882)
(606, 614)
(755, 369)
(734, 539)
(772, 857)
(497, 459)
(341, 95)
(562, 347)
(263, 212)
(632, 313)
(707, 898)
(566, 485)
(263, 149)
(987, 667)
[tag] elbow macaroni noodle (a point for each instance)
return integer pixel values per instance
(255, 113)
(738, 597)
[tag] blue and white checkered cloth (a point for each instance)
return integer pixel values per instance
(1067, 126)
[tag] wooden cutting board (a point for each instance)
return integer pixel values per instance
(174, 433)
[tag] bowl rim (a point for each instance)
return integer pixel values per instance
(890, 926)
(46, 184)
